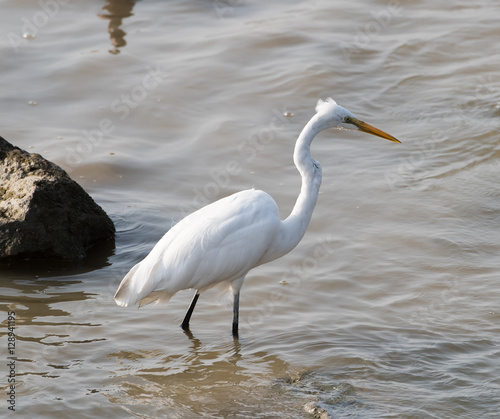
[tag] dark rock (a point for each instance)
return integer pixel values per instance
(44, 214)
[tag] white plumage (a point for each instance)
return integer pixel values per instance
(222, 241)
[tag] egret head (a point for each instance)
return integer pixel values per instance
(332, 115)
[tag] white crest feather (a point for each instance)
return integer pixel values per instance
(324, 105)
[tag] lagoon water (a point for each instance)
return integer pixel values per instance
(389, 307)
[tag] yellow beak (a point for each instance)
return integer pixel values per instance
(364, 127)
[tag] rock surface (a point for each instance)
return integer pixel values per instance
(44, 214)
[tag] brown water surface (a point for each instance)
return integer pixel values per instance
(389, 307)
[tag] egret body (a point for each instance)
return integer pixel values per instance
(221, 242)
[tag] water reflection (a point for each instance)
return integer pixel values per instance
(49, 316)
(117, 10)
(194, 377)
(98, 256)
(33, 298)
(233, 351)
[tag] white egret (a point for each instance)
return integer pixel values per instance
(224, 240)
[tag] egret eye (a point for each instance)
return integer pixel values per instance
(348, 120)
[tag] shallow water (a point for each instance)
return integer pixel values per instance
(389, 305)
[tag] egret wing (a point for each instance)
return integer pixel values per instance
(220, 242)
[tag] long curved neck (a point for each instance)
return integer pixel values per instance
(310, 170)
(294, 226)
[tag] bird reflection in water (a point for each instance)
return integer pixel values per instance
(117, 10)
(233, 349)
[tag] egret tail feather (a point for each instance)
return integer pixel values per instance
(123, 293)
(156, 297)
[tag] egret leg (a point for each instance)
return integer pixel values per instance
(236, 315)
(185, 322)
